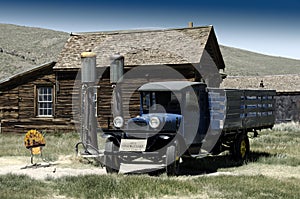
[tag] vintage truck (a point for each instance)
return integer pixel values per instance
(181, 119)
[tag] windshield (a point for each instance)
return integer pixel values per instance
(160, 102)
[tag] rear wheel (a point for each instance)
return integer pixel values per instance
(172, 160)
(112, 162)
(241, 147)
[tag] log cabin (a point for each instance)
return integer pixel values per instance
(47, 97)
(28, 101)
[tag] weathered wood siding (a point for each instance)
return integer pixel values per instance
(104, 96)
(68, 92)
(18, 99)
(288, 107)
(9, 101)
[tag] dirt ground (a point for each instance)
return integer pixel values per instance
(72, 166)
(65, 166)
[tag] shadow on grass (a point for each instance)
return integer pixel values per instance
(205, 165)
(211, 164)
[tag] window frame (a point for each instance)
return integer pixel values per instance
(38, 102)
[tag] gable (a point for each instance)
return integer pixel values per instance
(27, 76)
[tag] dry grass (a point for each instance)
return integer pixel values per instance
(273, 171)
(277, 82)
(281, 145)
(56, 145)
(113, 186)
(24, 47)
(293, 127)
(245, 63)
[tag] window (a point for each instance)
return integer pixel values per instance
(148, 100)
(160, 102)
(45, 101)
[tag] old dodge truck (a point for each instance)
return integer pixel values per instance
(181, 119)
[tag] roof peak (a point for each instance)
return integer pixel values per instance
(111, 32)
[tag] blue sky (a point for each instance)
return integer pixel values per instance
(265, 26)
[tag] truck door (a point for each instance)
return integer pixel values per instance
(191, 116)
(197, 114)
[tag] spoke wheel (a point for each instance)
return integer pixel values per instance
(241, 148)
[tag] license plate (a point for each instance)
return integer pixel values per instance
(133, 145)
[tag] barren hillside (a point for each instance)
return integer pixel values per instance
(25, 47)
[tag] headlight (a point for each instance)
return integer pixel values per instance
(154, 122)
(118, 122)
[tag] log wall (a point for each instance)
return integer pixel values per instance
(9, 101)
(288, 107)
(18, 99)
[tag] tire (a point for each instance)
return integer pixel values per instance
(172, 161)
(241, 147)
(112, 162)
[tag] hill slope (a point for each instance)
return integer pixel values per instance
(245, 63)
(24, 47)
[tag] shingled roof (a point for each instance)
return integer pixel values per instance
(143, 47)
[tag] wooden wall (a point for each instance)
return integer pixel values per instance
(9, 100)
(288, 107)
(18, 100)
(18, 111)
(68, 92)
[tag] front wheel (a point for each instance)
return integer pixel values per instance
(112, 162)
(172, 160)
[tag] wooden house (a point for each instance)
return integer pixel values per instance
(47, 98)
(28, 101)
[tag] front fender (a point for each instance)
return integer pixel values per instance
(112, 136)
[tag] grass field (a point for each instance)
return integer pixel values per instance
(113, 186)
(272, 171)
(56, 145)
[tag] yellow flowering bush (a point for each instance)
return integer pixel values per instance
(34, 138)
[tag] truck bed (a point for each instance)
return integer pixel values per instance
(235, 109)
